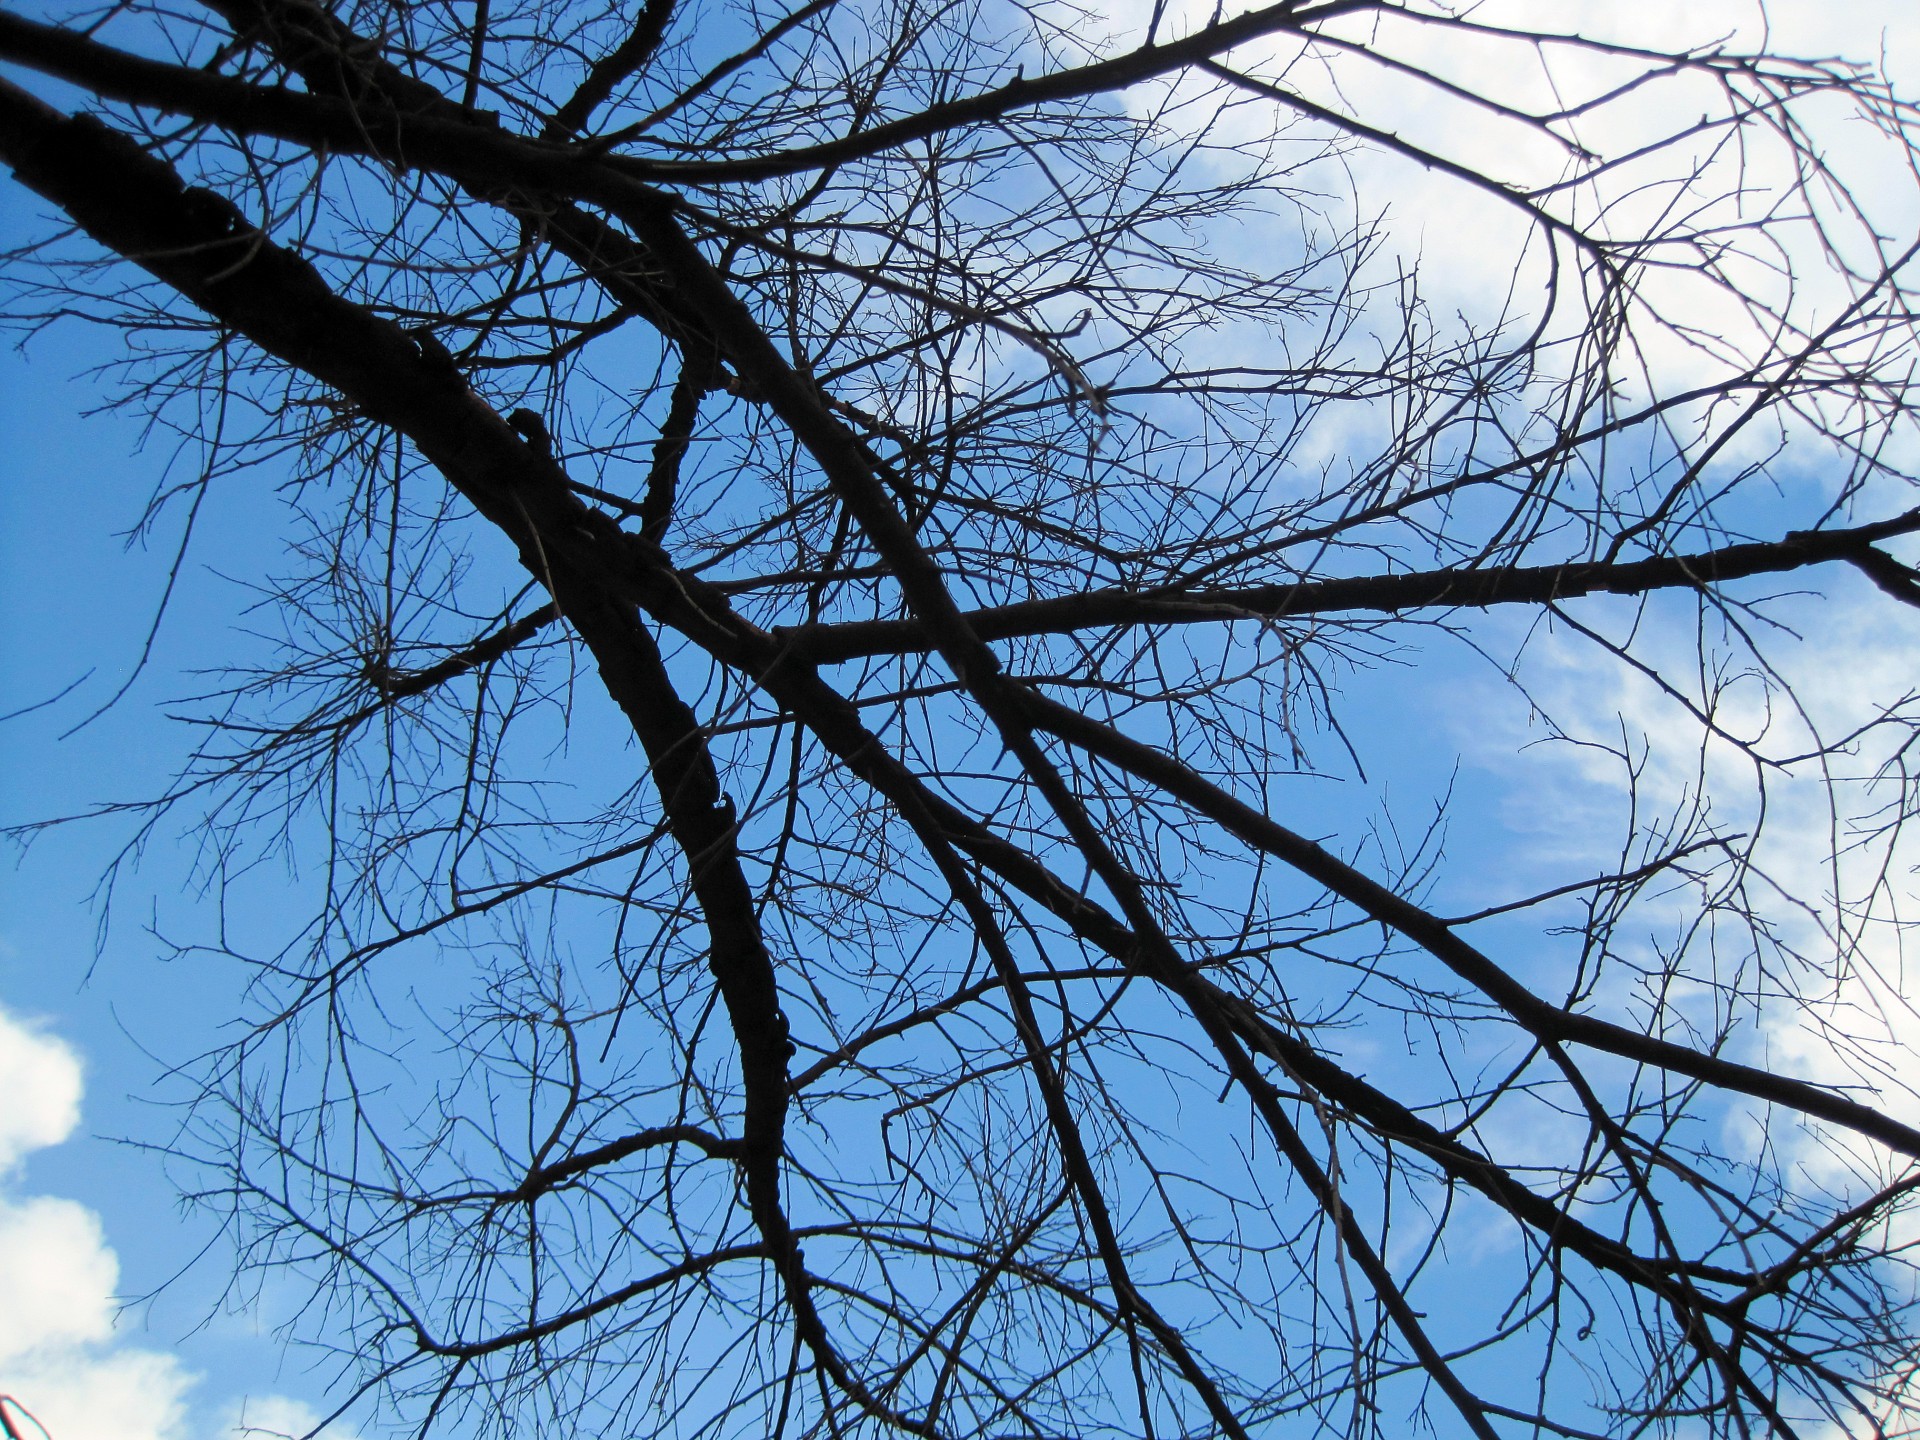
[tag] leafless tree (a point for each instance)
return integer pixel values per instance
(994, 458)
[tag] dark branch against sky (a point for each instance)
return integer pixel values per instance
(824, 564)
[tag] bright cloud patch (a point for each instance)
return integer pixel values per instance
(57, 1274)
(58, 1283)
(116, 1395)
(277, 1418)
(41, 1079)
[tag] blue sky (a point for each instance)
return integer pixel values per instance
(75, 599)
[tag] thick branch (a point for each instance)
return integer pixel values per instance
(624, 60)
(545, 1177)
(1020, 93)
(697, 376)
(1391, 594)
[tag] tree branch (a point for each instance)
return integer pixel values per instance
(1388, 594)
(1544, 1021)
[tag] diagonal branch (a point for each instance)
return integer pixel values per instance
(395, 685)
(1545, 1021)
(618, 64)
(1391, 594)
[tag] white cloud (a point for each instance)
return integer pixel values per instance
(1853, 1020)
(1838, 1007)
(120, 1394)
(41, 1079)
(1845, 1013)
(277, 1418)
(1668, 168)
(57, 1274)
(61, 1360)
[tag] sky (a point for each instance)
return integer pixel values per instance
(90, 1225)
